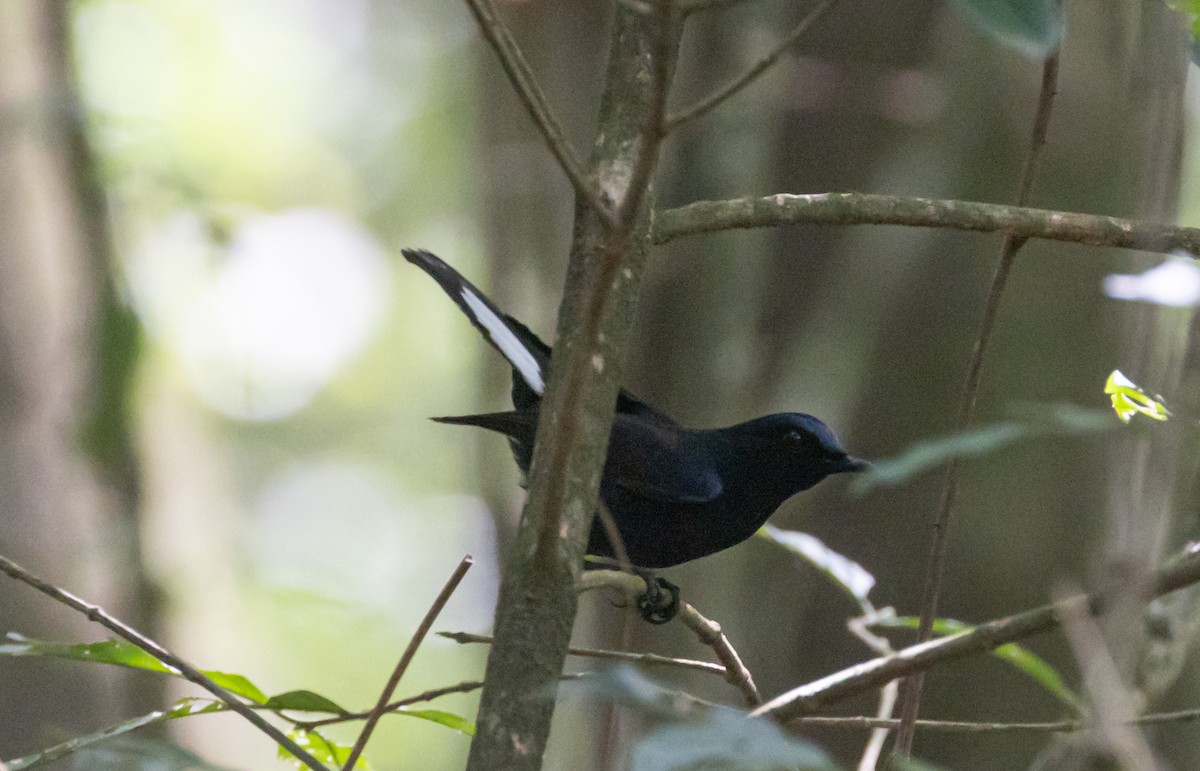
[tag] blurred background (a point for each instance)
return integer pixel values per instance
(215, 373)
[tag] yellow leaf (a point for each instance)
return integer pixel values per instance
(1128, 400)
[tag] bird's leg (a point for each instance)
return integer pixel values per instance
(657, 605)
(660, 603)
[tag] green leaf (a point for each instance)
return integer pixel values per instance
(844, 572)
(323, 749)
(123, 654)
(1035, 422)
(441, 717)
(1033, 28)
(182, 708)
(1023, 659)
(1129, 400)
(236, 684)
(304, 701)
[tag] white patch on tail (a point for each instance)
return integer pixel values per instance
(508, 343)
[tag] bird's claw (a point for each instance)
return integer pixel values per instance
(660, 603)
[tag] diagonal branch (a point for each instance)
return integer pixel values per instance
(875, 673)
(406, 658)
(872, 209)
(530, 94)
(189, 672)
(935, 572)
(710, 103)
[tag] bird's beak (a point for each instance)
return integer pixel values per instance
(855, 465)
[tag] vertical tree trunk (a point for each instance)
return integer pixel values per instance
(55, 516)
(537, 597)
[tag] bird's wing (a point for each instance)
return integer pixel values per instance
(655, 460)
(508, 336)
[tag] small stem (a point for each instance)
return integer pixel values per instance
(430, 616)
(711, 102)
(520, 75)
(935, 572)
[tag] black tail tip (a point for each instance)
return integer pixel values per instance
(417, 256)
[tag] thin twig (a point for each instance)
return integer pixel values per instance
(888, 695)
(936, 566)
(871, 209)
(961, 726)
(467, 686)
(709, 632)
(520, 75)
(597, 653)
(872, 674)
(406, 658)
(98, 615)
(711, 102)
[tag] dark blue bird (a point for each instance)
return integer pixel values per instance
(676, 494)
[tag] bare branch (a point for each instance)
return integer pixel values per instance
(709, 633)
(935, 572)
(861, 722)
(100, 616)
(713, 101)
(530, 94)
(406, 658)
(872, 674)
(871, 209)
(652, 659)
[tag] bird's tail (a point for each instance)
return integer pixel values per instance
(517, 425)
(528, 355)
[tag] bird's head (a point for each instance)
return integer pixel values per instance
(796, 449)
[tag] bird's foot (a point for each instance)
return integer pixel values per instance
(660, 603)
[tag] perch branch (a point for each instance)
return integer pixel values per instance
(709, 633)
(872, 209)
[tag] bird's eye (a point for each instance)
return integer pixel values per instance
(794, 435)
